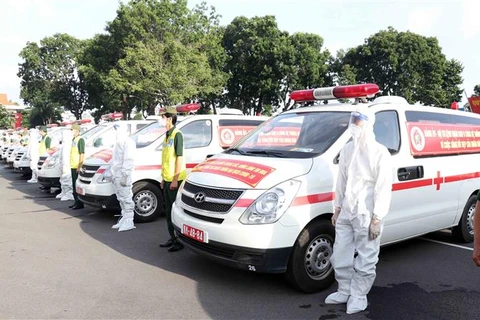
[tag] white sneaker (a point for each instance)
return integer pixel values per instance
(126, 225)
(355, 305)
(32, 181)
(336, 298)
(67, 197)
(60, 196)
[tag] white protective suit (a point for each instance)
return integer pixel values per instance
(122, 169)
(362, 200)
(33, 153)
(66, 179)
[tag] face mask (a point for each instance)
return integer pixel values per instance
(162, 122)
(355, 130)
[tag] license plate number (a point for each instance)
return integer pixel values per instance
(195, 233)
(80, 191)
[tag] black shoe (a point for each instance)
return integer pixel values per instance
(77, 207)
(167, 244)
(71, 206)
(175, 247)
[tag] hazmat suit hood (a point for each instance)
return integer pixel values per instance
(121, 132)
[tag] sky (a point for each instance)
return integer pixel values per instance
(342, 25)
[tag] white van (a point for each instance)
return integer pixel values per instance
(265, 204)
(204, 135)
(96, 138)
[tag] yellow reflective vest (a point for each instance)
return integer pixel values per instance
(74, 153)
(169, 158)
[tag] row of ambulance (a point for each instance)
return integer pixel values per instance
(259, 194)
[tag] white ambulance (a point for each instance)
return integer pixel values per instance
(96, 138)
(203, 135)
(265, 204)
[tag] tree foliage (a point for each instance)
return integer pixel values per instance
(6, 119)
(50, 78)
(404, 64)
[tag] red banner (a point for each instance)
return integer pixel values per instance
(438, 139)
(279, 136)
(247, 172)
(230, 135)
(105, 155)
(474, 103)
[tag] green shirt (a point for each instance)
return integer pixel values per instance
(177, 142)
(48, 141)
(81, 146)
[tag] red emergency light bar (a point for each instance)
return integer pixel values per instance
(339, 92)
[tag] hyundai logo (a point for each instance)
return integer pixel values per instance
(199, 197)
(82, 170)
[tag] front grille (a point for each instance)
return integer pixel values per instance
(19, 156)
(88, 171)
(213, 249)
(206, 206)
(215, 195)
(40, 162)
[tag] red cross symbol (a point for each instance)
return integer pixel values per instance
(438, 180)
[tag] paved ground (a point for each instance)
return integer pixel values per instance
(58, 263)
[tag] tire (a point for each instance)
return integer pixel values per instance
(464, 231)
(148, 200)
(306, 271)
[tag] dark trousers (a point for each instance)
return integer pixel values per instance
(169, 198)
(77, 203)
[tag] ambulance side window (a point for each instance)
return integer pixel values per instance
(197, 134)
(387, 130)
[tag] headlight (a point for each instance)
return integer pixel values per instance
(52, 161)
(271, 205)
(106, 176)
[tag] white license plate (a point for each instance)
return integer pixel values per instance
(195, 233)
(80, 191)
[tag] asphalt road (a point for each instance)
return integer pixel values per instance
(58, 263)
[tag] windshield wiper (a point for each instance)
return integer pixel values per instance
(268, 153)
(236, 150)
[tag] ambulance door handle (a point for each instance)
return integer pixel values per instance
(410, 173)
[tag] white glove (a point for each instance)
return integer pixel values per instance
(375, 228)
(335, 216)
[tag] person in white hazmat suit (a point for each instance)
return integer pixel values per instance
(33, 153)
(121, 170)
(362, 200)
(66, 179)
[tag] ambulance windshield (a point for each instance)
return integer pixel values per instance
(148, 134)
(294, 135)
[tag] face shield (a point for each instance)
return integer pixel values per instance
(357, 123)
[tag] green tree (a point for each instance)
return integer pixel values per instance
(50, 77)
(156, 50)
(404, 64)
(306, 65)
(6, 119)
(256, 50)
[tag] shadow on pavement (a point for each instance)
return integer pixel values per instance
(248, 295)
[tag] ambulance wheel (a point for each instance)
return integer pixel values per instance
(148, 201)
(464, 231)
(309, 267)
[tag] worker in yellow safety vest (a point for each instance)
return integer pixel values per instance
(46, 141)
(77, 156)
(173, 171)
